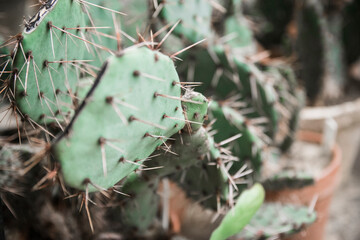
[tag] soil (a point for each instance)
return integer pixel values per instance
(310, 162)
(344, 217)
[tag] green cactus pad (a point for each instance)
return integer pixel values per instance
(136, 21)
(134, 100)
(196, 113)
(104, 31)
(290, 98)
(187, 150)
(293, 121)
(223, 74)
(138, 211)
(230, 123)
(260, 92)
(196, 170)
(132, 22)
(288, 179)
(45, 65)
(235, 220)
(204, 183)
(195, 18)
(210, 67)
(277, 220)
(239, 33)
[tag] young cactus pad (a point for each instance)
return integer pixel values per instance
(235, 220)
(195, 109)
(46, 61)
(135, 99)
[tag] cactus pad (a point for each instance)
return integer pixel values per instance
(134, 100)
(196, 169)
(195, 16)
(105, 17)
(188, 150)
(196, 113)
(288, 179)
(139, 211)
(275, 220)
(246, 206)
(239, 33)
(47, 61)
(230, 123)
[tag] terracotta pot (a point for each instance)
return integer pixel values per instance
(322, 189)
(347, 116)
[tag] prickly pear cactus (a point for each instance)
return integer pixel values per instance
(210, 66)
(198, 169)
(288, 179)
(46, 61)
(235, 220)
(138, 211)
(135, 99)
(136, 22)
(186, 150)
(194, 18)
(239, 33)
(248, 147)
(236, 29)
(113, 25)
(195, 109)
(320, 51)
(223, 74)
(206, 183)
(277, 220)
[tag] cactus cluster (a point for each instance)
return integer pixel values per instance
(91, 79)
